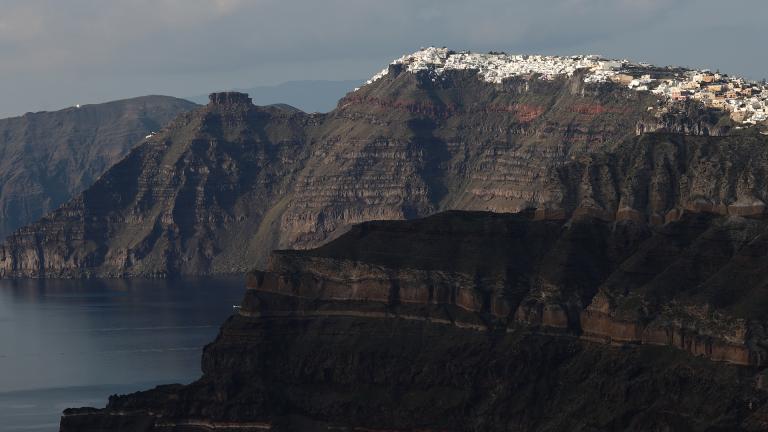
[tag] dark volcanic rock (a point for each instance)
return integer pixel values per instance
(223, 186)
(47, 158)
(229, 98)
(487, 322)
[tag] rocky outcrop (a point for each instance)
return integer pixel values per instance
(480, 321)
(47, 158)
(229, 98)
(690, 118)
(660, 176)
(221, 187)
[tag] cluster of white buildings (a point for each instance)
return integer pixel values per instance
(495, 67)
(746, 101)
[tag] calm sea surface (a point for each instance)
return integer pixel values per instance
(73, 343)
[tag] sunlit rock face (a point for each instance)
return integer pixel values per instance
(478, 321)
(219, 188)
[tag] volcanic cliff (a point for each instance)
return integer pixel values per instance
(471, 321)
(222, 186)
(47, 158)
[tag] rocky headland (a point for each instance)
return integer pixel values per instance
(470, 321)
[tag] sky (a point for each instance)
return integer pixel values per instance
(58, 53)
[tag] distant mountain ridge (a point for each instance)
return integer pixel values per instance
(222, 186)
(48, 157)
(306, 95)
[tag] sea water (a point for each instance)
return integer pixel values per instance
(72, 343)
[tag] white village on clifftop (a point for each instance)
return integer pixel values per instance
(746, 101)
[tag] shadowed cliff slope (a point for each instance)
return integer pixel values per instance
(222, 186)
(47, 158)
(469, 321)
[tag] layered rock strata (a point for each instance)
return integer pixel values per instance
(479, 321)
(47, 158)
(603, 282)
(221, 187)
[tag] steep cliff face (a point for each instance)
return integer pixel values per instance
(656, 177)
(224, 186)
(407, 146)
(47, 158)
(187, 200)
(477, 321)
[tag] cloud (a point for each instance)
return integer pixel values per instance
(20, 23)
(105, 49)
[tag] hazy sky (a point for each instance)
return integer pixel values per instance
(57, 53)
